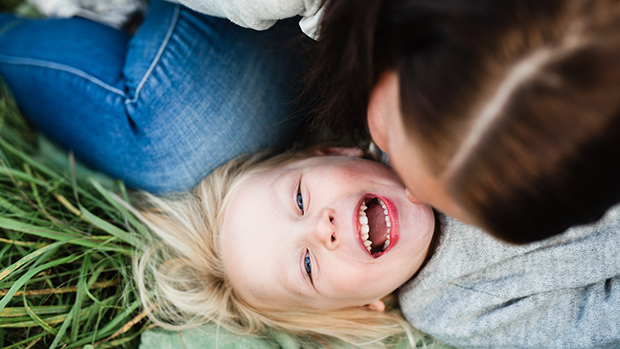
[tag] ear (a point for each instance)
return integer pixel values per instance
(341, 151)
(377, 305)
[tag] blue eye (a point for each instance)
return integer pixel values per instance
(300, 202)
(307, 264)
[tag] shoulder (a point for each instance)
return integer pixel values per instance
(475, 286)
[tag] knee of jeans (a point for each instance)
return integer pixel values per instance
(165, 166)
(178, 156)
(162, 186)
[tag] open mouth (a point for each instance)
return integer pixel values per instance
(375, 225)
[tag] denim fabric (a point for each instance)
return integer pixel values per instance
(162, 109)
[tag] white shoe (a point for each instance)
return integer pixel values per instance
(114, 13)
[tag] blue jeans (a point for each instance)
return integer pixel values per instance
(162, 109)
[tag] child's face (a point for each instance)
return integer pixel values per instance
(292, 235)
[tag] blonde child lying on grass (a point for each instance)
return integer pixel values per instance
(314, 243)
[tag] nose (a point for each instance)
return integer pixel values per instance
(324, 229)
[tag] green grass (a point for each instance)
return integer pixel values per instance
(65, 249)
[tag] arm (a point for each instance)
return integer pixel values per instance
(562, 292)
(255, 14)
(587, 317)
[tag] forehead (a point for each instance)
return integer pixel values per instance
(254, 200)
(251, 238)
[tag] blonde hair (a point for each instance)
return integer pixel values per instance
(183, 282)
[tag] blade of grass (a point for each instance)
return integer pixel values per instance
(30, 273)
(109, 327)
(114, 200)
(62, 330)
(128, 325)
(38, 166)
(64, 236)
(116, 343)
(11, 207)
(40, 310)
(109, 228)
(23, 243)
(37, 319)
(27, 259)
(26, 322)
(75, 326)
(21, 176)
(20, 344)
(69, 289)
(35, 189)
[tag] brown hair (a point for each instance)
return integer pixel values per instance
(515, 103)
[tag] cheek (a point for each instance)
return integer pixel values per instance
(372, 171)
(376, 126)
(347, 277)
(410, 170)
(424, 190)
(347, 175)
(361, 281)
(376, 119)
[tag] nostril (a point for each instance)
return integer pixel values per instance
(333, 238)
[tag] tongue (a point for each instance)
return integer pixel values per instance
(376, 223)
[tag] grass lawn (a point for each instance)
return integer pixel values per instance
(65, 250)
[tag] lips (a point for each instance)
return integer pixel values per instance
(376, 224)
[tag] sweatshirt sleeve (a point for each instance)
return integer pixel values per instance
(255, 14)
(563, 292)
(587, 317)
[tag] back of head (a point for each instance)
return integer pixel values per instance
(525, 151)
(515, 104)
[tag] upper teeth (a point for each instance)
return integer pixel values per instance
(365, 228)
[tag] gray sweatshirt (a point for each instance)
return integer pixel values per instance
(563, 292)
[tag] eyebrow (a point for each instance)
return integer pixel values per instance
(280, 189)
(280, 180)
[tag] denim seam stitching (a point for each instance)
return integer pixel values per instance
(60, 67)
(159, 54)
